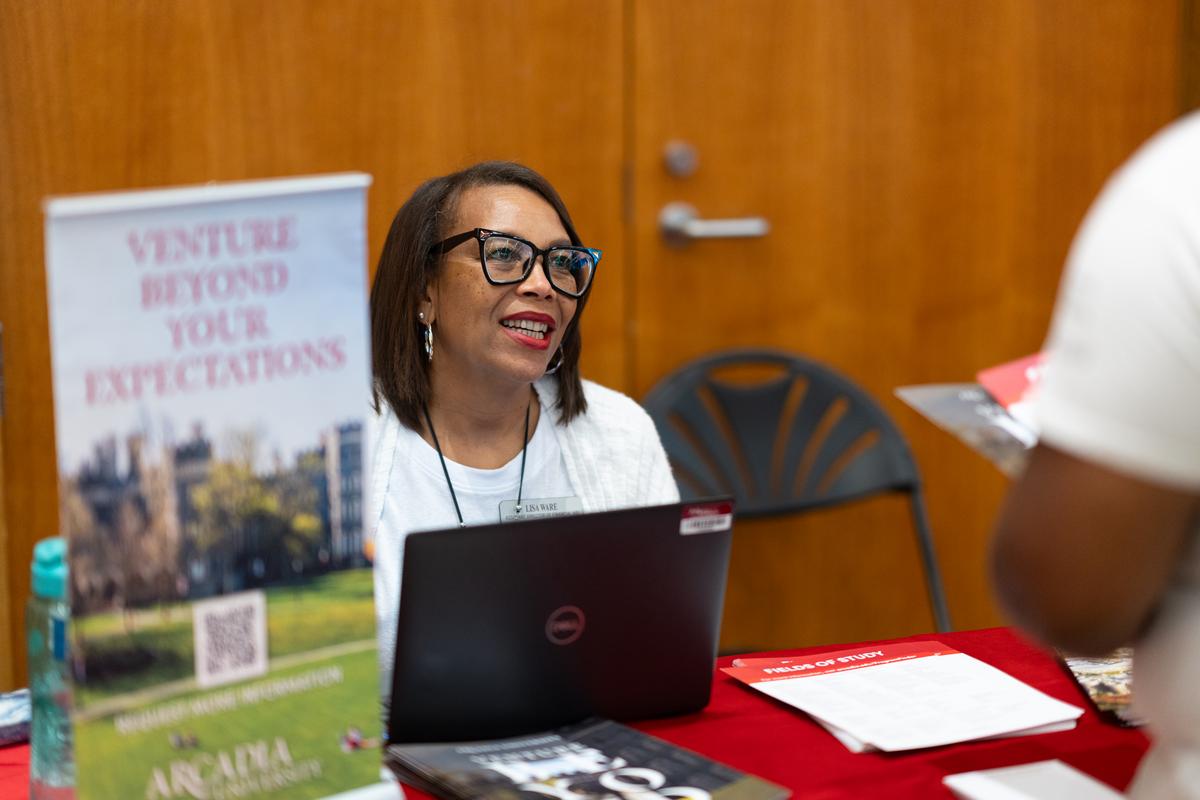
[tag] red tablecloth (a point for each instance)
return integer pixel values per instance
(14, 771)
(753, 733)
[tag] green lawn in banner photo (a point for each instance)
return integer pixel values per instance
(155, 645)
(112, 765)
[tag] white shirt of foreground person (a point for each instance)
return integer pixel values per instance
(609, 457)
(1122, 390)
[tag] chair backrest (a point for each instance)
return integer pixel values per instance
(803, 436)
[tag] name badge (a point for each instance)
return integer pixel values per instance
(535, 509)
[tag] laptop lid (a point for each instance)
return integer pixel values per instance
(516, 627)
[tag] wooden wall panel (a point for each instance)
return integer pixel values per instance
(1189, 61)
(102, 95)
(923, 164)
(927, 161)
(7, 632)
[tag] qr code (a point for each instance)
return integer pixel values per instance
(230, 638)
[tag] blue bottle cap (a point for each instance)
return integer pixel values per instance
(49, 568)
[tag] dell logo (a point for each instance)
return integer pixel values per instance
(565, 625)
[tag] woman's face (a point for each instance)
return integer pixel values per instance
(482, 332)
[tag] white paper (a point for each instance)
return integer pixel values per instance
(907, 696)
(1043, 780)
(855, 745)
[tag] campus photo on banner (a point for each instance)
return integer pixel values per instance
(211, 382)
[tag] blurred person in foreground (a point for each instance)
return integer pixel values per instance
(481, 410)
(1097, 544)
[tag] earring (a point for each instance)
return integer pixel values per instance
(555, 362)
(428, 342)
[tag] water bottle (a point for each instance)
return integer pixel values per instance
(51, 751)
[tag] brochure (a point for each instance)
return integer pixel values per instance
(993, 417)
(905, 696)
(210, 372)
(1108, 683)
(591, 759)
(1014, 386)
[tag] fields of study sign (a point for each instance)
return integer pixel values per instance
(211, 375)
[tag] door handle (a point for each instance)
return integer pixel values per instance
(680, 224)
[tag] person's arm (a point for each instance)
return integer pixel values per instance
(1081, 555)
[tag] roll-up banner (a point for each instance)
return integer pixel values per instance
(211, 382)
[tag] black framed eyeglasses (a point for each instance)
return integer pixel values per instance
(509, 259)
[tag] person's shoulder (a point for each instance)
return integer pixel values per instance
(1182, 134)
(379, 417)
(595, 392)
(1169, 157)
(384, 431)
(615, 414)
(606, 407)
(596, 396)
(1145, 212)
(605, 401)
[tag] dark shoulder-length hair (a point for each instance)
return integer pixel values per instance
(407, 264)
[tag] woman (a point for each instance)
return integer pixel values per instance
(481, 410)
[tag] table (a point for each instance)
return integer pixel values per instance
(751, 732)
(14, 771)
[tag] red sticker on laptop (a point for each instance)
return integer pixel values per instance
(706, 518)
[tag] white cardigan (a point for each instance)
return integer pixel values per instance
(613, 456)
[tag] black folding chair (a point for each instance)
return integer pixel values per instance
(804, 437)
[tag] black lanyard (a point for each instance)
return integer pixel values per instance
(446, 472)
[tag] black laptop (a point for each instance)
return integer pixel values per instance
(517, 627)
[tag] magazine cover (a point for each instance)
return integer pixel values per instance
(591, 759)
(971, 414)
(1108, 683)
(211, 374)
(993, 417)
(1014, 385)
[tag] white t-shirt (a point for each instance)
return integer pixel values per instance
(1121, 388)
(419, 499)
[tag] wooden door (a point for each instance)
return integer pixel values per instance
(100, 95)
(923, 165)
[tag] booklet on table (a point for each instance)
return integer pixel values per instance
(595, 758)
(1108, 683)
(905, 696)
